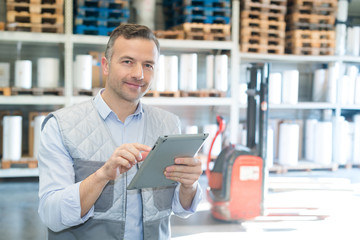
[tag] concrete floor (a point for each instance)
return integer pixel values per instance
(298, 205)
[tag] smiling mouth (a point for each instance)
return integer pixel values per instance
(137, 85)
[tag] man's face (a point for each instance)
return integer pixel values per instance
(131, 69)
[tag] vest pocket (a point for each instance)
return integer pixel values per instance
(163, 197)
(83, 169)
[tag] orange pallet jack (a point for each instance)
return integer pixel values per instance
(236, 181)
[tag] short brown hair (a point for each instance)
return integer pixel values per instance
(130, 31)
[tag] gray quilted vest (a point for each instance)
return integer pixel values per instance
(89, 142)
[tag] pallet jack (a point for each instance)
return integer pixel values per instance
(236, 181)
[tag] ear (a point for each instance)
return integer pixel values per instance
(105, 66)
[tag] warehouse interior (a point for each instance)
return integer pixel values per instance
(309, 57)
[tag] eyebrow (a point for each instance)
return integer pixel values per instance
(131, 58)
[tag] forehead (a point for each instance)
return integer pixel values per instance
(135, 47)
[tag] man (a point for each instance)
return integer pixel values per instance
(90, 152)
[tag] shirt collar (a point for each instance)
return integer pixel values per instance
(104, 110)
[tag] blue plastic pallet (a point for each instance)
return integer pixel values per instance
(201, 3)
(98, 22)
(92, 30)
(112, 4)
(102, 13)
(197, 19)
(204, 11)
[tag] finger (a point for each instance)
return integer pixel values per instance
(136, 149)
(188, 161)
(144, 154)
(127, 155)
(186, 179)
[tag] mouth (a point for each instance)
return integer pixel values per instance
(135, 85)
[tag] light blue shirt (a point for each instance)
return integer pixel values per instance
(59, 206)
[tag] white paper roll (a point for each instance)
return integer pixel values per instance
(145, 12)
(290, 86)
(159, 83)
(210, 71)
(12, 127)
(356, 143)
(37, 132)
(188, 72)
(221, 73)
(343, 147)
(48, 72)
(289, 144)
(242, 93)
(83, 70)
(212, 129)
(270, 148)
(342, 11)
(171, 73)
(275, 88)
(4, 74)
(310, 139)
(353, 41)
(191, 129)
(352, 72)
(323, 143)
(345, 82)
(357, 90)
(319, 85)
(333, 76)
(340, 31)
(23, 74)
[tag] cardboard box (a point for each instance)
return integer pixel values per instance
(98, 78)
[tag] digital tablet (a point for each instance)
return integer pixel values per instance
(162, 155)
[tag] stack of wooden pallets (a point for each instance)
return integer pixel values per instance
(262, 26)
(96, 17)
(310, 28)
(35, 15)
(197, 20)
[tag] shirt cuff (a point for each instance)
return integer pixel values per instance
(71, 208)
(177, 207)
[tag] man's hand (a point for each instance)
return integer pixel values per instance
(187, 171)
(122, 159)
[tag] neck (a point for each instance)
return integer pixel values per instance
(119, 106)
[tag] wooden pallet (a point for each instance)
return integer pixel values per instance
(325, 11)
(24, 17)
(309, 18)
(5, 91)
(153, 93)
(270, 41)
(36, 1)
(57, 9)
(209, 37)
(256, 48)
(37, 91)
(314, 3)
(86, 92)
(262, 16)
(310, 51)
(304, 166)
(204, 28)
(268, 2)
(170, 34)
(309, 43)
(23, 162)
(263, 25)
(248, 31)
(36, 27)
(310, 26)
(264, 8)
(203, 93)
(311, 34)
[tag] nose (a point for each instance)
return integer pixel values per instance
(138, 72)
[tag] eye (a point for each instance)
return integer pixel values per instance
(149, 66)
(128, 62)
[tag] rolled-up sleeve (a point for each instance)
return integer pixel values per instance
(177, 207)
(59, 206)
